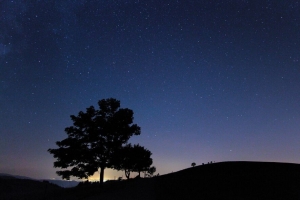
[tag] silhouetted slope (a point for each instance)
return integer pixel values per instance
(3, 175)
(15, 188)
(232, 180)
(226, 180)
(63, 183)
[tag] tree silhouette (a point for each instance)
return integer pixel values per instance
(132, 159)
(121, 161)
(93, 139)
(151, 171)
(193, 164)
(142, 158)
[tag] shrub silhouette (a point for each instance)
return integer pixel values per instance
(132, 159)
(151, 171)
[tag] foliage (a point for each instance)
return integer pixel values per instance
(132, 159)
(150, 172)
(193, 164)
(93, 139)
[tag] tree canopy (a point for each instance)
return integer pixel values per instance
(93, 139)
(133, 159)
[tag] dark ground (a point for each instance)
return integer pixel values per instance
(14, 188)
(232, 180)
(226, 180)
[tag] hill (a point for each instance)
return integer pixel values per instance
(232, 180)
(24, 188)
(63, 183)
(4, 175)
(225, 180)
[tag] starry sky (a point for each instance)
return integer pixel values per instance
(207, 80)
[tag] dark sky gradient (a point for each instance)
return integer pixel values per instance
(207, 80)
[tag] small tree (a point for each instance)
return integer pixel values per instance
(93, 139)
(121, 160)
(142, 158)
(132, 159)
(193, 164)
(150, 171)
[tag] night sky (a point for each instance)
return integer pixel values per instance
(207, 80)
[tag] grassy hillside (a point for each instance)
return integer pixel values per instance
(226, 180)
(232, 180)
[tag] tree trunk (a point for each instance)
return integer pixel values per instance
(101, 175)
(127, 173)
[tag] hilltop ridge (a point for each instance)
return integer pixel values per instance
(223, 180)
(241, 180)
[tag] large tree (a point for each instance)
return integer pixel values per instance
(93, 139)
(132, 159)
